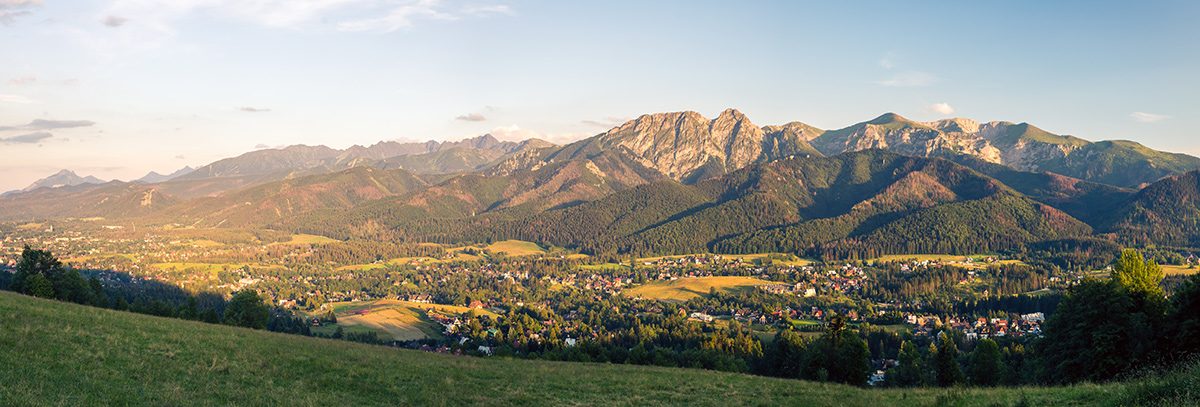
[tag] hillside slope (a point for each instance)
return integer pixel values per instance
(60, 353)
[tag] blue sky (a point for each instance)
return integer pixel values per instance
(118, 88)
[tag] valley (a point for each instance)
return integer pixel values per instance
(670, 240)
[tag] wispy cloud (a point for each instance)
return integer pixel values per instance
(23, 80)
(10, 10)
(400, 16)
(41, 124)
(114, 21)
(909, 79)
(1148, 117)
(31, 138)
(941, 108)
(249, 109)
(484, 10)
(607, 122)
(16, 99)
(346, 15)
(471, 117)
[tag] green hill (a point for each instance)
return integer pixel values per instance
(64, 354)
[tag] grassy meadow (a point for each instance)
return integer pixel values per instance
(684, 289)
(395, 319)
(64, 354)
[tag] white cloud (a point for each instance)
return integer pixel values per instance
(478, 10)
(346, 15)
(471, 117)
(941, 108)
(399, 16)
(151, 24)
(1148, 117)
(10, 10)
(607, 122)
(909, 79)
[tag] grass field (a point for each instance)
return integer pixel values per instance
(303, 239)
(687, 288)
(399, 320)
(1179, 270)
(516, 248)
(65, 354)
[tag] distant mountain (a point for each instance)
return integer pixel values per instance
(154, 177)
(1021, 146)
(856, 203)
(688, 147)
(301, 160)
(270, 202)
(1085, 200)
(1166, 213)
(112, 199)
(64, 178)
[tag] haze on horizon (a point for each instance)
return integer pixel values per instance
(121, 87)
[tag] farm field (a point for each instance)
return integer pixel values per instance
(303, 239)
(399, 320)
(1171, 270)
(684, 289)
(515, 248)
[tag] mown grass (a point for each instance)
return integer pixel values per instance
(63, 354)
(305, 239)
(684, 289)
(516, 248)
(395, 319)
(1171, 270)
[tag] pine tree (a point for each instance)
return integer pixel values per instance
(946, 362)
(986, 365)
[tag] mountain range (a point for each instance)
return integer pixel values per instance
(63, 178)
(679, 182)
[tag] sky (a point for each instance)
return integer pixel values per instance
(121, 87)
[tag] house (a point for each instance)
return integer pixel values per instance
(476, 304)
(486, 350)
(876, 378)
(569, 341)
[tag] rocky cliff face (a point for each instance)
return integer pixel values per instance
(689, 147)
(898, 134)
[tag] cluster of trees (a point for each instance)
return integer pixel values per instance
(892, 283)
(1104, 329)
(840, 355)
(38, 273)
